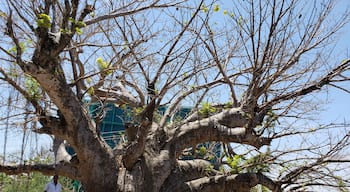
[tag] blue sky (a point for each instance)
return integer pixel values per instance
(339, 106)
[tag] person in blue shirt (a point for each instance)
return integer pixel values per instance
(53, 186)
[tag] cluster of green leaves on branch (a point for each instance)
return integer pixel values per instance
(22, 46)
(32, 88)
(254, 164)
(104, 67)
(203, 152)
(206, 109)
(43, 20)
(78, 25)
(216, 8)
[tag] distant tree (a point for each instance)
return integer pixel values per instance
(251, 71)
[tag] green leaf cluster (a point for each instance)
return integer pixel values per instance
(91, 90)
(235, 163)
(78, 30)
(104, 66)
(216, 8)
(13, 72)
(257, 164)
(240, 21)
(228, 105)
(138, 110)
(204, 8)
(44, 20)
(3, 14)
(65, 31)
(32, 88)
(202, 150)
(22, 46)
(207, 109)
(341, 185)
(78, 25)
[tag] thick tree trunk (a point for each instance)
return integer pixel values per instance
(98, 176)
(148, 173)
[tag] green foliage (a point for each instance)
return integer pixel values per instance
(209, 168)
(345, 61)
(13, 72)
(228, 105)
(204, 8)
(341, 185)
(44, 20)
(104, 66)
(88, 80)
(78, 25)
(91, 90)
(71, 19)
(240, 21)
(132, 115)
(257, 164)
(32, 88)
(31, 182)
(207, 109)
(66, 31)
(3, 14)
(235, 163)
(78, 30)
(101, 63)
(22, 46)
(216, 8)
(222, 169)
(202, 150)
(138, 110)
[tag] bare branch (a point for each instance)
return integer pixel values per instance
(34, 102)
(326, 80)
(116, 13)
(119, 95)
(237, 183)
(46, 169)
(227, 126)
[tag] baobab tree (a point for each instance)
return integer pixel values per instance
(250, 70)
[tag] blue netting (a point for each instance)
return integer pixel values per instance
(113, 122)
